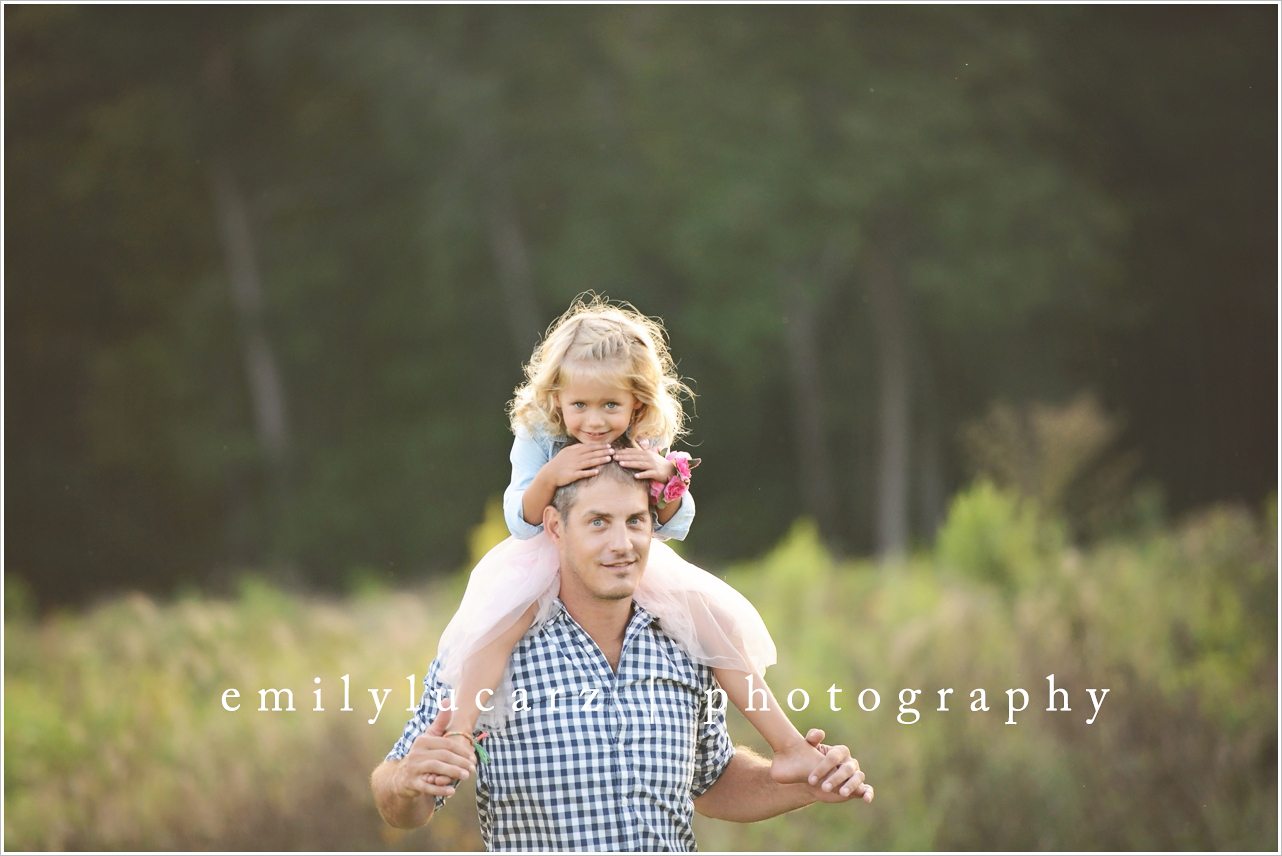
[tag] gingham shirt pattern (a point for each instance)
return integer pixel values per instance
(618, 771)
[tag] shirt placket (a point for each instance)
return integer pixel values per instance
(616, 722)
(628, 742)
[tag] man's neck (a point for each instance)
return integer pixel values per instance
(604, 620)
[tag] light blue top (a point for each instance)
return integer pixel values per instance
(530, 451)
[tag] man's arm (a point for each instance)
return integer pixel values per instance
(745, 793)
(394, 804)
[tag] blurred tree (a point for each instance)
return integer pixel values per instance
(242, 273)
(1062, 457)
(1177, 110)
(819, 203)
(101, 194)
(893, 150)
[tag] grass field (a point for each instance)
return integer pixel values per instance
(116, 736)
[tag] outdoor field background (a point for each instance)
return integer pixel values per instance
(979, 304)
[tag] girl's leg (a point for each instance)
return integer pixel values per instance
(794, 758)
(484, 671)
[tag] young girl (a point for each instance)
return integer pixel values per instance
(600, 373)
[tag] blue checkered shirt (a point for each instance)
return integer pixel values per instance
(617, 770)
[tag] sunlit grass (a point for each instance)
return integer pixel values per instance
(116, 737)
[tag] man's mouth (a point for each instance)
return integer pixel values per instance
(620, 566)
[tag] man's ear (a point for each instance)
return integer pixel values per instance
(552, 523)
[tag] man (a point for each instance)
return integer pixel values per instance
(612, 745)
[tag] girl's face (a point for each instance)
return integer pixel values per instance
(596, 410)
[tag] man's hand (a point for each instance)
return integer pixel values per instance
(837, 777)
(651, 464)
(746, 792)
(577, 461)
(433, 763)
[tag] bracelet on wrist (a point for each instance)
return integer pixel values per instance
(663, 493)
(481, 755)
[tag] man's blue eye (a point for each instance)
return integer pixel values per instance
(597, 520)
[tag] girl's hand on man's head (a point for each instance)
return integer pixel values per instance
(577, 461)
(650, 464)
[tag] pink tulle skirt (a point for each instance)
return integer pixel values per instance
(712, 621)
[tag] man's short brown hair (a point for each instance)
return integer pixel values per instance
(565, 495)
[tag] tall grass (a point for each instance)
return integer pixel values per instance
(116, 737)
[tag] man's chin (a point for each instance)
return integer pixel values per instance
(619, 583)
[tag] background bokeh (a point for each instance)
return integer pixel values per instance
(979, 303)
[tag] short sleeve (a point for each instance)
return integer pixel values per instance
(428, 707)
(528, 457)
(714, 750)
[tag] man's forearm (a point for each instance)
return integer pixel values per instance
(398, 811)
(745, 793)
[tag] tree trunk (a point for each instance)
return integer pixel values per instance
(267, 391)
(930, 466)
(930, 459)
(890, 323)
(512, 263)
(814, 466)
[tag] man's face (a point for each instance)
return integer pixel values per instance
(603, 539)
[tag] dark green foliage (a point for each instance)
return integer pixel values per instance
(1059, 199)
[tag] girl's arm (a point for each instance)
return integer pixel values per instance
(538, 495)
(528, 457)
(537, 473)
(680, 515)
(675, 517)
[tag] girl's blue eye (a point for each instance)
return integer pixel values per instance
(577, 404)
(611, 404)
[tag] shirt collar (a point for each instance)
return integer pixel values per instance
(641, 617)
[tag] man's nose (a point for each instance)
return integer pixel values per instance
(619, 541)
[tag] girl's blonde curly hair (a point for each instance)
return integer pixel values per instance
(605, 340)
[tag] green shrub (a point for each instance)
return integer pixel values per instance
(991, 535)
(116, 739)
(490, 532)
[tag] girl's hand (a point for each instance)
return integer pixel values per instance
(651, 464)
(576, 462)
